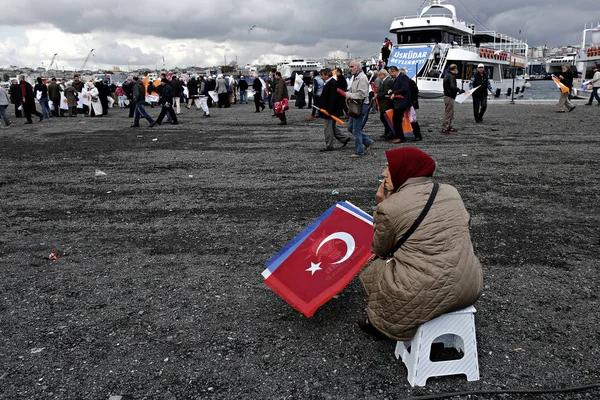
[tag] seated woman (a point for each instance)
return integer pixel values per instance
(435, 270)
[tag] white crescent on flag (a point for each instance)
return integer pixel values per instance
(347, 238)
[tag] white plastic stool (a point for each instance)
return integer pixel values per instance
(450, 329)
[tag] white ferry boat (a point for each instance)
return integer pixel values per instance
(461, 44)
(554, 65)
(289, 69)
(589, 56)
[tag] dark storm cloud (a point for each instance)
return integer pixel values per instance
(358, 24)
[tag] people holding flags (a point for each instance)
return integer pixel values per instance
(431, 269)
(330, 103)
(566, 78)
(385, 103)
(401, 100)
(481, 81)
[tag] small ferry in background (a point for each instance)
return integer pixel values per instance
(460, 43)
(289, 69)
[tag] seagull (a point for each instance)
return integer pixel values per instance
(253, 26)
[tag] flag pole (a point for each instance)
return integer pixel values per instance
(514, 73)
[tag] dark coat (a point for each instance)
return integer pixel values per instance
(342, 83)
(54, 90)
(166, 94)
(414, 93)
(193, 87)
(567, 79)
(212, 85)
(450, 87)
(330, 99)
(27, 93)
(281, 91)
(482, 81)
(401, 87)
(15, 94)
(42, 88)
(257, 85)
(383, 97)
(243, 85)
(177, 87)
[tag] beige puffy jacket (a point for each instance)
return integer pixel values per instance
(433, 273)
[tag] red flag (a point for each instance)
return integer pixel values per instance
(319, 262)
(169, 75)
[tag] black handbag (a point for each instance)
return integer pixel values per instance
(418, 221)
(354, 107)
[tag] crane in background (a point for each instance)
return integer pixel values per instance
(51, 62)
(86, 60)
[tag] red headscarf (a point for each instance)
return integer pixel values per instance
(408, 162)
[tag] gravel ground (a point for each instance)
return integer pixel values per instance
(158, 293)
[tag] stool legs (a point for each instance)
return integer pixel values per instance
(454, 330)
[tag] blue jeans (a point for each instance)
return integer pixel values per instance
(3, 114)
(243, 97)
(594, 94)
(140, 111)
(355, 125)
(45, 108)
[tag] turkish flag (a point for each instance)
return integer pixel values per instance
(169, 76)
(319, 262)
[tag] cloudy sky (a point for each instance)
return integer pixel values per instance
(209, 32)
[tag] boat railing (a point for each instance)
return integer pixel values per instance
(445, 15)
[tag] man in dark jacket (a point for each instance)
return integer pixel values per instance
(401, 100)
(414, 97)
(258, 92)
(15, 97)
(204, 96)
(177, 91)
(331, 102)
(482, 82)
(450, 92)
(139, 98)
(54, 91)
(28, 100)
(166, 100)
(128, 89)
(192, 92)
(385, 103)
(566, 78)
(243, 87)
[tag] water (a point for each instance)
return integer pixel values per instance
(541, 90)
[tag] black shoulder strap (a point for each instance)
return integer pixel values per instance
(418, 221)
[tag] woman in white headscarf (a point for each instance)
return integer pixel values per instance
(95, 105)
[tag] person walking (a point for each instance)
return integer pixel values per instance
(437, 53)
(43, 97)
(243, 88)
(258, 89)
(401, 99)
(359, 93)
(281, 93)
(203, 95)
(481, 81)
(28, 100)
(15, 97)
(595, 81)
(4, 102)
(385, 103)
(71, 95)
(192, 92)
(317, 91)
(54, 91)
(139, 98)
(166, 100)
(177, 91)
(222, 90)
(566, 78)
(450, 92)
(331, 102)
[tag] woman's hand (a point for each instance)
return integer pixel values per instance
(381, 194)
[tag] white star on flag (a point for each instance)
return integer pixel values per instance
(314, 268)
